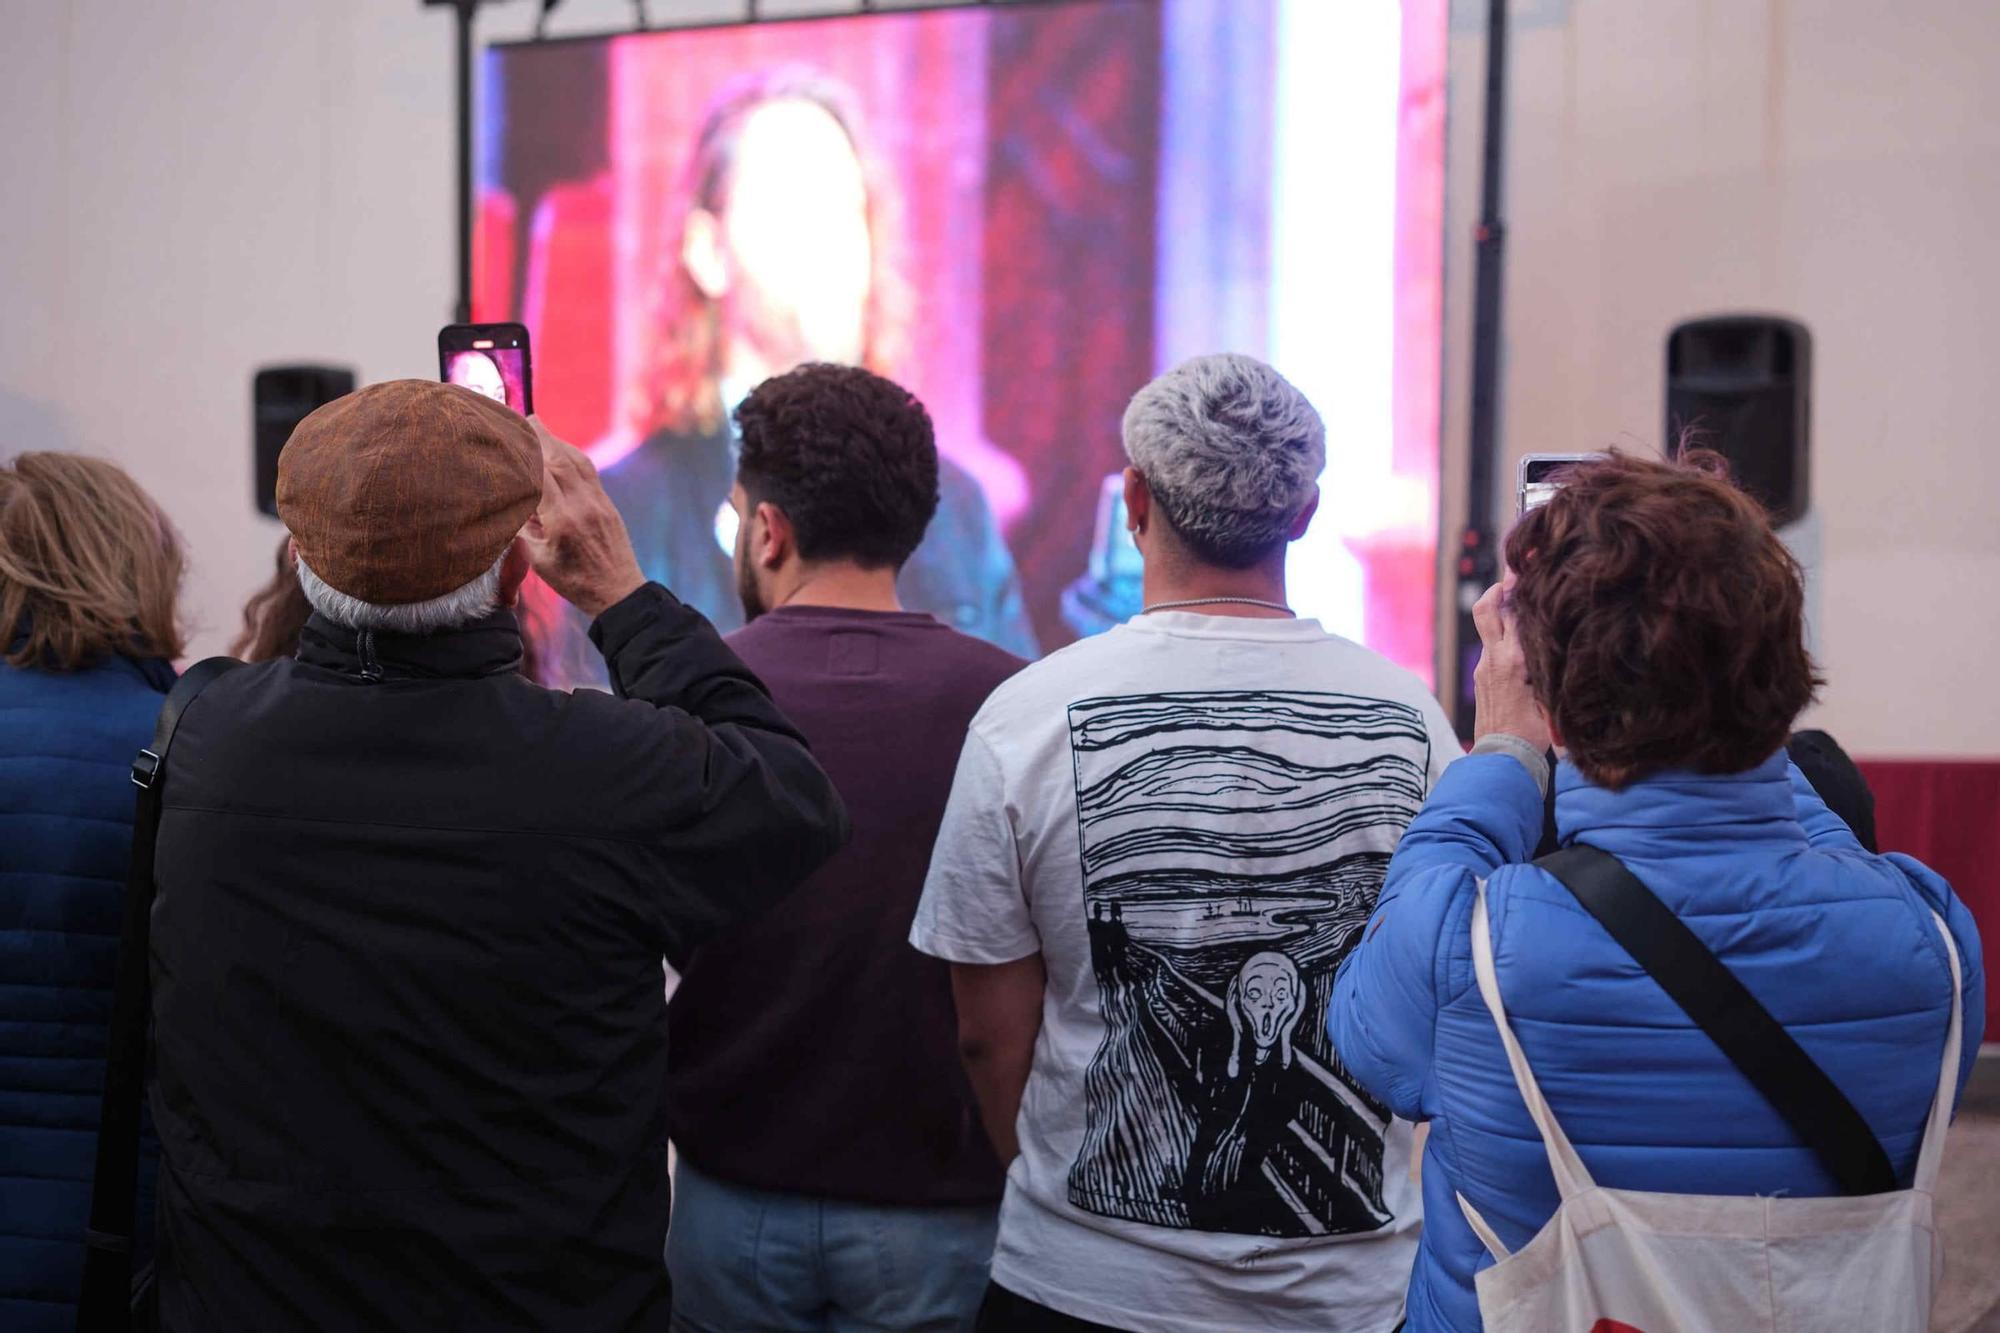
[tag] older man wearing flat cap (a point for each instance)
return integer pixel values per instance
(412, 907)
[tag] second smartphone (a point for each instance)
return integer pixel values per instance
(492, 359)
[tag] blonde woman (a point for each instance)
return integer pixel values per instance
(90, 570)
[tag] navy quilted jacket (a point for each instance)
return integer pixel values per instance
(66, 746)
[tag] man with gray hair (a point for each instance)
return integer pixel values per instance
(409, 1009)
(1160, 844)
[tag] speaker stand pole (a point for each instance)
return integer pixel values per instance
(1478, 553)
(463, 11)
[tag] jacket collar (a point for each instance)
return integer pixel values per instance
(486, 647)
(1657, 814)
(157, 672)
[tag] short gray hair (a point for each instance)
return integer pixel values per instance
(459, 607)
(1231, 451)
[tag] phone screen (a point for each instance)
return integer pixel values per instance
(1538, 485)
(491, 359)
(1542, 475)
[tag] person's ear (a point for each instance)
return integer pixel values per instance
(1138, 502)
(702, 254)
(773, 541)
(513, 572)
(1305, 517)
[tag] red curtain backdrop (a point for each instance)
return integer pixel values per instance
(1946, 813)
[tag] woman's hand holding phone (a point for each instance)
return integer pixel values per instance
(1503, 702)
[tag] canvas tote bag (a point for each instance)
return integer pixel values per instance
(1623, 1261)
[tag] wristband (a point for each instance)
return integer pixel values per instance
(1532, 759)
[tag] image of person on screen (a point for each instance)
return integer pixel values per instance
(479, 373)
(776, 255)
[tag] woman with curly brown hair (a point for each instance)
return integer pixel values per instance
(1652, 629)
(90, 573)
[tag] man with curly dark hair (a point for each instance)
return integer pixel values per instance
(817, 1099)
(836, 480)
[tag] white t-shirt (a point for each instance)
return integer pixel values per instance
(1189, 817)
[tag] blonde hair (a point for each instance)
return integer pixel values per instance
(90, 566)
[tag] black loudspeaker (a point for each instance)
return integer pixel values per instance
(280, 398)
(1742, 386)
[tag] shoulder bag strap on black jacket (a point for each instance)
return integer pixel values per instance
(105, 1302)
(1710, 994)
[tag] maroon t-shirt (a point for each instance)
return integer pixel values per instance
(811, 1050)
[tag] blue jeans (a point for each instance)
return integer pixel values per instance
(749, 1261)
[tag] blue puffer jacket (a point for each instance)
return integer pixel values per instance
(66, 746)
(1838, 944)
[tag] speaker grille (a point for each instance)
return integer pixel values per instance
(280, 398)
(1740, 385)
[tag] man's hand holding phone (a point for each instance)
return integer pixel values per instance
(576, 540)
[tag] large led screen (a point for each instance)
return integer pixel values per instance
(1022, 213)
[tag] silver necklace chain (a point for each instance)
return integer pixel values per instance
(1217, 601)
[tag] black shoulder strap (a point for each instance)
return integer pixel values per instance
(105, 1301)
(1756, 1043)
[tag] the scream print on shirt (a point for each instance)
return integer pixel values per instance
(1233, 844)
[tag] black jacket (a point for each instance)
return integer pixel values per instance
(406, 963)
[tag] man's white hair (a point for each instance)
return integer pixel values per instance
(1231, 451)
(459, 607)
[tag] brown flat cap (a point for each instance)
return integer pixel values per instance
(407, 490)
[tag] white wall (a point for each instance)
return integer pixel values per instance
(1833, 160)
(196, 187)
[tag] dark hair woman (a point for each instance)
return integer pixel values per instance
(1652, 627)
(90, 571)
(275, 613)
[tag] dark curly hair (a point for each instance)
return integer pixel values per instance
(1662, 620)
(848, 455)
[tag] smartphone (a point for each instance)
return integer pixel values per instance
(491, 359)
(1542, 475)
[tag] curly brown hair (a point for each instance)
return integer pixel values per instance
(1662, 620)
(848, 455)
